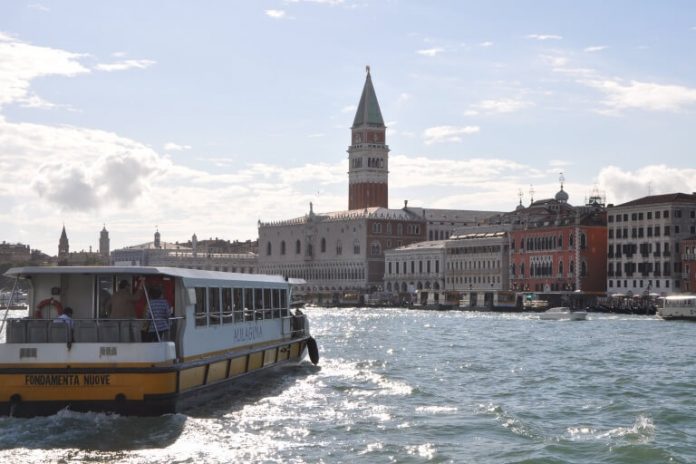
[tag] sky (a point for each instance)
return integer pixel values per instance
(206, 117)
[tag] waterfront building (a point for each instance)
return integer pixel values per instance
(104, 243)
(644, 238)
(688, 248)
(82, 257)
(337, 253)
(416, 272)
(478, 265)
(14, 253)
(344, 251)
(212, 255)
(558, 248)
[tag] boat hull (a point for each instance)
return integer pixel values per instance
(27, 391)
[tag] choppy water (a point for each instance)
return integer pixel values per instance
(414, 386)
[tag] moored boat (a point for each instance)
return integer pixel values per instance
(678, 307)
(561, 313)
(220, 326)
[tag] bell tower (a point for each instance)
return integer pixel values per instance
(368, 154)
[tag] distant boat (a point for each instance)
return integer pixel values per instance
(561, 313)
(678, 307)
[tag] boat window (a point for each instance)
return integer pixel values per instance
(227, 305)
(276, 298)
(248, 298)
(105, 288)
(201, 306)
(258, 298)
(214, 305)
(267, 300)
(283, 299)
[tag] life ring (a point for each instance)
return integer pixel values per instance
(38, 314)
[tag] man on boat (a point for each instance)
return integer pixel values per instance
(158, 316)
(66, 317)
(122, 303)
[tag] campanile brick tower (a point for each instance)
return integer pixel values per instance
(368, 154)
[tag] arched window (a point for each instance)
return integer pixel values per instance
(310, 251)
(583, 269)
(339, 247)
(282, 247)
(522, 270)
(268, 249)
(375, 249)
(583, 241)
(298, 247)
(356, 247)
(560, 267)
(323, 245)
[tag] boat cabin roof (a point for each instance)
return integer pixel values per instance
(190, 277)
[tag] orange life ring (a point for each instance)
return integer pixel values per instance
(38, 314)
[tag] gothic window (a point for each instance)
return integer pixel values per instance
(282, 247)
(375, 249)
(356, 247)
(570, 240)
(583, 241)
(310, 251)
(298, 247)
(268, 248)
(323, 245)
(339, 247)
(560, 267)
(583, 269)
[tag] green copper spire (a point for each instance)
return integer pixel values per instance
(368, 109)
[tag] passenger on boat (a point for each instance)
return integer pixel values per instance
(66, 317)
(122, 303)
(160, 312)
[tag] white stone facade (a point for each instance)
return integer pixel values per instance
(644, 237)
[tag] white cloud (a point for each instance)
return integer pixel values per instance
(440, 134)
(544, 37)
(403, 98)
(171, 146)
(124, 65)
(275, 14)
(431, 51)
(642, 95)
(21, 62)
(501, 105)
(39, 7)
(623, 185)
(486, 44)
(595, 48)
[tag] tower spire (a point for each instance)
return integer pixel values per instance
(368, 154)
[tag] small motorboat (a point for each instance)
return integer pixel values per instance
(563, 313)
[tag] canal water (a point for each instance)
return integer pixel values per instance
(397, 385)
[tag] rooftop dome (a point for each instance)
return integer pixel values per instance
(562, 196)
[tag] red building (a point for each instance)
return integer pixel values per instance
(557, 247)
(688, 247)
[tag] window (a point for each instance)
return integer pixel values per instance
(298, 247)
(356, 247)
(376, 227)
(323, 245)
(399, 229)
(339, 247)
(665, 214)
(214, 305)
(375, 249)
(282, 247)
(667, 231)
(437, 267)
(226, 305)
(389, 268)
(649, 214)
(201, 307)
(268, 249)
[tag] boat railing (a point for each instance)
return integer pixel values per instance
(84, 331)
